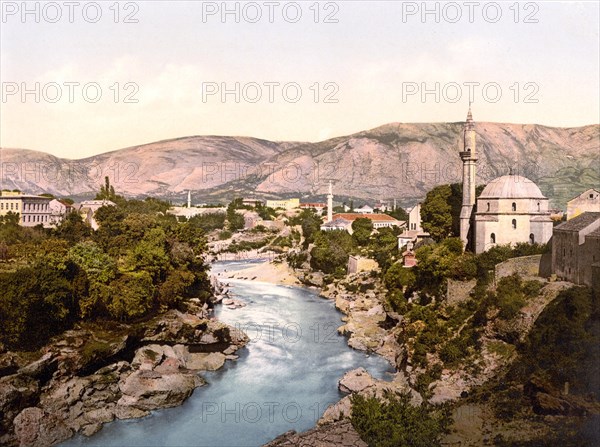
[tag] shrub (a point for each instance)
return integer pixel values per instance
(395, 422)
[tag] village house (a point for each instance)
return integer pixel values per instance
(576, 249)
(317, 206)
(343, 221)
(587, 201)
(286, 204)
(32, 210)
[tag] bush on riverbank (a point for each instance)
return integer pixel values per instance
(394, 422)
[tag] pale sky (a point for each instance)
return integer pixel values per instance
(373, 61)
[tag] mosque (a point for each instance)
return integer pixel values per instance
(510, 209)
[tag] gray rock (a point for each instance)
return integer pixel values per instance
(36, 428)
(149, 390)
(356, 380)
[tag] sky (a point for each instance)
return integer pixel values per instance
(81, 78)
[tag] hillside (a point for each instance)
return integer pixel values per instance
(401, 161)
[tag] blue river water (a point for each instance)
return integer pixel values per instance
(284, 378)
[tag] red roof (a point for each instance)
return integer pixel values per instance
(375, 217)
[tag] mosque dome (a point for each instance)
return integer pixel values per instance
(511, 187)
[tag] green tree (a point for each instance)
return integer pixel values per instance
(331, 251)
(398, 277)
(394, 422)
(362, 229)
(384, 247)
(131, 296)
(436, 212)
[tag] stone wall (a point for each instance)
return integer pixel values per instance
(524, 266)
(459, 291)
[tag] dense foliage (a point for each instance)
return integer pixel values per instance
(394, 422)
(139, 261)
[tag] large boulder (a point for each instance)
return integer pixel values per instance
(36, 428)
(209, 361)
(356, 380)
(149, 390)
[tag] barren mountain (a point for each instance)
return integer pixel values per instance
(401, 161)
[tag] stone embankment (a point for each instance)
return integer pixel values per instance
(93, 375)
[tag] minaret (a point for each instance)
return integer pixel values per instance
(330, 203)
(469, 158)
(189, 199)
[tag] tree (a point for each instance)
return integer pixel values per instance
(436, 212)
(385, 247)
(395, 422)
(107, 191)
(131, 296)
(399, 277)
(331, 251)
(361, 230)
(72, 229)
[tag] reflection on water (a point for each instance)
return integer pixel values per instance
(283, 380)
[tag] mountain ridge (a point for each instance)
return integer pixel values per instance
(394, 160)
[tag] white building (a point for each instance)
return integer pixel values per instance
(87, 210)
(32, 210)
(58, 211)
(365, 209)
(510, 209)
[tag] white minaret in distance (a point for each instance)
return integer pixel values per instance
(330, 203)
(469, 158)
(189, 199)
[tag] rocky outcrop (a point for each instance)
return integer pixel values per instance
(337, 434)
(90, 376)
(547, 400)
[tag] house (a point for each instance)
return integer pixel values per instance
(32, 210)
(411, 237)
(287, 204)
(381, 207)
(87, 210)
(365, 209)
(252, 202)
(576, 248)
(318, 207)
(343, 221)
(408, 258)
(414, 218)
(58, 210)
(587, 201)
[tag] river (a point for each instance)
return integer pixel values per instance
(284, 378)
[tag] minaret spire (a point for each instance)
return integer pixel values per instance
(469, 159)
(330, 203)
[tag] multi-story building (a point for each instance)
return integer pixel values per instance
(576, 248)
(288, 204)
(343, 221)
(587, 201)
(32, 210)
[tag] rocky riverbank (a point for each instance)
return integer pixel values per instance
(95, 374)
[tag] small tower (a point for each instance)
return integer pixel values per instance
(189, 202)
(330, 203)
(469, 158)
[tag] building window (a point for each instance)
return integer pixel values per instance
(514, 224)
(591, 196)
(514, 206)
(531, 239)
(539, 207)
(488, 206)
(492, 238)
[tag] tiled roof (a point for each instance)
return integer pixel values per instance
(578, 223)
(375, 217)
